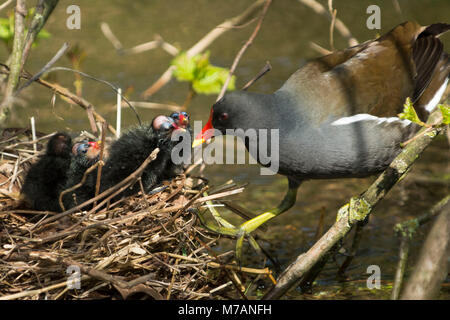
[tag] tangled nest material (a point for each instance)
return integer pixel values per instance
(145, 246)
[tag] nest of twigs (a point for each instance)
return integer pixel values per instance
(145, 246)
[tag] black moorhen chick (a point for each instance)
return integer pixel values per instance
(85, 154)
(47, 177)
(336, 115)
(128, 152)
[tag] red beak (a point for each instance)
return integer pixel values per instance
(207, 132)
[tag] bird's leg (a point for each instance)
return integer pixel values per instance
(244, 230)
(251, 225)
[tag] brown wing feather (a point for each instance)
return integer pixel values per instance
(427, 51)
(374, 77)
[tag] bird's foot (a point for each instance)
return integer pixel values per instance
(226, 228)
(243, 231)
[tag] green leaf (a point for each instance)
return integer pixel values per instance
(445, 110)
(185, 67)
(43, 34)
(409, 113)
(5, 31)
(212, 81)
(205, 77)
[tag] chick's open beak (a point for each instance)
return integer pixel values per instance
(95, 144)
(206, 133)
(183, 120)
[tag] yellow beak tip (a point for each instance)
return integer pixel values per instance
(197, 142)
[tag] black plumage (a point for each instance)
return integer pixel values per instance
(63, 166)
(128, 152)
(47, 177)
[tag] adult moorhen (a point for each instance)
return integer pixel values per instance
(336, 115)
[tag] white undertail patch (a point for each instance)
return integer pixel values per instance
(367, 117)
(437, 97)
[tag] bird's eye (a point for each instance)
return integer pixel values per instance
(81, 148)
(175, 115)
(223, 116)
(84, 147)
(185, 114)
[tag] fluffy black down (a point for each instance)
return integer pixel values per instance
(128, 152)
(48, 176)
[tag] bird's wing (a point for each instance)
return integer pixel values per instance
(374, 77)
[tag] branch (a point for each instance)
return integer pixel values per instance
(4, 5)
(433, 264)
(16, 58)
(340, 26)
(406, 231)
(357, 210)
(267, 67)
(241, 52)
(78, 185)
(47, 66)
(86, 105)
(205, 42)
(43, 10)
(100, 160)
(157, 43)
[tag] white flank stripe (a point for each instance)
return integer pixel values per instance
(367, 117)
(437, 97)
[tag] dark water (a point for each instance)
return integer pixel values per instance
(284, 41)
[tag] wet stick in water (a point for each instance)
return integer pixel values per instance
(406, 231)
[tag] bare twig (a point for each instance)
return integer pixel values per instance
(153, 105)
(44, 9)
(107, 32)
(100, 160)
(16, 58)
(319, 48)
(4, 5)
(47, 66)
(333, 13)
(157, 43)
(12, 146)
(433, 265)
(241, 52)
(401, 267)
(205, 42)
(340, 26)
(267, 67)
(355, 244)
(406, 231)
(65, 93)
(78, 185)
